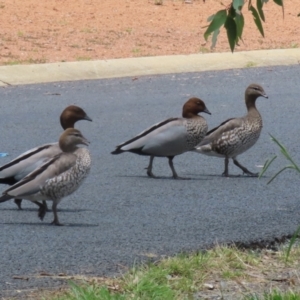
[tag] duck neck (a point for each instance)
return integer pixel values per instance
(189, 115)
(250, 104)
(66, 147)
(65, 124)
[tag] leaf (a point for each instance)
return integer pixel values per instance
(230, 26)
(257, 20)
(231, 12)
(259, 5)
(218, 20)
(249, 4)
(239, 20)
(280, 3)
(210, 18)
(214, 38)
(238, 4)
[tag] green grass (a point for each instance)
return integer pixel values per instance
(246, 275)
(83, 58)
(204, 50)
(25, 61)
(250, 64)
(275, 295)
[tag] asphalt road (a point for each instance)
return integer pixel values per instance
(119, 216)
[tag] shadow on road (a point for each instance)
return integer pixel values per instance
(48, 224)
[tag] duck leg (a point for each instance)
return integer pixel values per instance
(42, 209)
(18, 202)
(175, 176)
(45, 204)
(225, 173)
(149, 168)
(55, 221)
(245, 170)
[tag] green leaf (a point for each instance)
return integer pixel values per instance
(239, 20)
(249, 4)
(231, 12)
(280, 3)
(214, 38)
(218, 20)
(257, 20)
(210, 18)
(230, 26)
(238, 4)
(259, 5)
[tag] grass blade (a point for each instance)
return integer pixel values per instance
(287, 167)
(266, 166)
(292, 242)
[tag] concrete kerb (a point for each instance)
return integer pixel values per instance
(114, 68)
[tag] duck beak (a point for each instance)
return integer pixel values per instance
(85, 141)
(265, 95)
(207, 111)
(87, 118)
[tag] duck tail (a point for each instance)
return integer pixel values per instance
(117, 151)
(5, 197)
(8, 180)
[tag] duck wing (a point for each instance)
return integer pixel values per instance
(34, 181)
(156, 136)
(28, 161)
(222, 131)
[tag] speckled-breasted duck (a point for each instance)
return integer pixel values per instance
(25, 163)
(236, 135)
(58, 177)
(171, 137)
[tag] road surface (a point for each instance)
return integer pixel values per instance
(120, 216)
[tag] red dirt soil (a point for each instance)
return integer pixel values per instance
(35, 31)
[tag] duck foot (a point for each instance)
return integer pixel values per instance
(18, 202)
(180, 178)
(251, 174)
(42, 209)
(150, 174)
(56, 223)
(42, 212)
(245, 170)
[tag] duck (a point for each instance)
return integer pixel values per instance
(56, 178)
(170, 137)
(236, 135)
(21, 166)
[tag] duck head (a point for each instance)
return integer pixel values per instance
(193, 107)
(252, 92)
(70, 139)
(71, 115)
